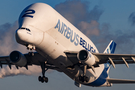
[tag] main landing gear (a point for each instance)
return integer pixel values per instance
(43, 67)
(43, 78)
(83, 76)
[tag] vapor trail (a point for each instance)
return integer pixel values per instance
(32, 70)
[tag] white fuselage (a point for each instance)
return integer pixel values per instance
(52, 35)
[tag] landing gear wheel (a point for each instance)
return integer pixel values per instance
(45, 79)
(39, 78)
(83, 78)
(31, 53)
(42, 80)
(86, 78)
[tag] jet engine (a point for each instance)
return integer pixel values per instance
(86, 58)
(18, 58)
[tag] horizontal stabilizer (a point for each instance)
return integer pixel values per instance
(120, 81)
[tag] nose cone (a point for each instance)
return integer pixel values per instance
(22, 36)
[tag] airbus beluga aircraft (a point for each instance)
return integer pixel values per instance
(61, 46)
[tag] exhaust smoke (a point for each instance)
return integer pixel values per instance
(32, 70)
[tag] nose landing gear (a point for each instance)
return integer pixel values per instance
(43, 78)
(31, 48)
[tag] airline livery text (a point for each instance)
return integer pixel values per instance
(73, 36)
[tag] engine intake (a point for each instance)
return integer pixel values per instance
(86, 58)
(18, 58)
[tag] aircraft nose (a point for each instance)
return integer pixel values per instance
(22, 35)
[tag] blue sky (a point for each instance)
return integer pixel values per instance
(114, 19)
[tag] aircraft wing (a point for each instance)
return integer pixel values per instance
(102, 58)
(35, 59)
(5, 60)
(114, 58)
(119, 81)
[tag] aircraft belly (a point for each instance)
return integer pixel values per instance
(60, 62)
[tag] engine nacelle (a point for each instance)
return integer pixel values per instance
(18, 58)
(86, 58)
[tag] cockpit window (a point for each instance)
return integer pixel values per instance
(25, 28)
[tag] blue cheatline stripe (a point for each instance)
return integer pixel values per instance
(102, 78)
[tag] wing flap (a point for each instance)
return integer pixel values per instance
(120, 81)
(72, 56)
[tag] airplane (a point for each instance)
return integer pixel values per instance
(60, 46)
